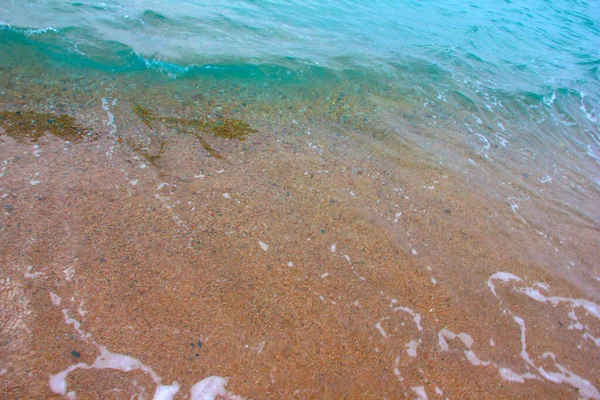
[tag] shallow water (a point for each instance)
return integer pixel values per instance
(412, 209)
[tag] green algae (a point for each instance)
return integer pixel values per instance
(151, 159)
(232, 128)
(227, 128)
(208, 147)
(31, 126)
(146, 115)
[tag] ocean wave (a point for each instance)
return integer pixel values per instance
(442, 78)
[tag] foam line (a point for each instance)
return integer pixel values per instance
(564, 375)
(416, 316)
(586, 389)
(206, 389)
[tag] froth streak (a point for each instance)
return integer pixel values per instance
(206, 389)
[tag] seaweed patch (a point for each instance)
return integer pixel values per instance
(228, 128)
(31, 125)
(146, 115)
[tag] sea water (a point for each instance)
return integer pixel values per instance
(516, 83)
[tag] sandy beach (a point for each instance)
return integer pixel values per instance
(302, 262)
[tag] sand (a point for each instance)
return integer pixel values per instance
(309, 266)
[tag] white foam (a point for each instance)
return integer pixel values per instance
(381, 330)
(55, 299)
(447, 334)
(484, 140)
(207, 389)
(325, 275)
(594, 339)
(534, 294)
(416, 316)
(502, 276)
(226, 195)
(548, 100)
(503, 141)
(31, 32)
(211, 387)
(509, 375)
(58, 382)
(589, 115)
(69, 273)
(164, 392)
(122, 362)
(29, 275)
(420, 392)
(263, 245)
(505, 373)
(543, 286)
(473, 359)
(109, 360)
(411, 348)
(34, 182)
(110, 123)
(590, 307)
(333, 248)
(397, 373)
(585, 388)
(5, 162)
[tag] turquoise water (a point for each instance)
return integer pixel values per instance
(501, 51)
(487, 74)
(500, 48)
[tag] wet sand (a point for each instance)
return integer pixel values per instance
(323, 265)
